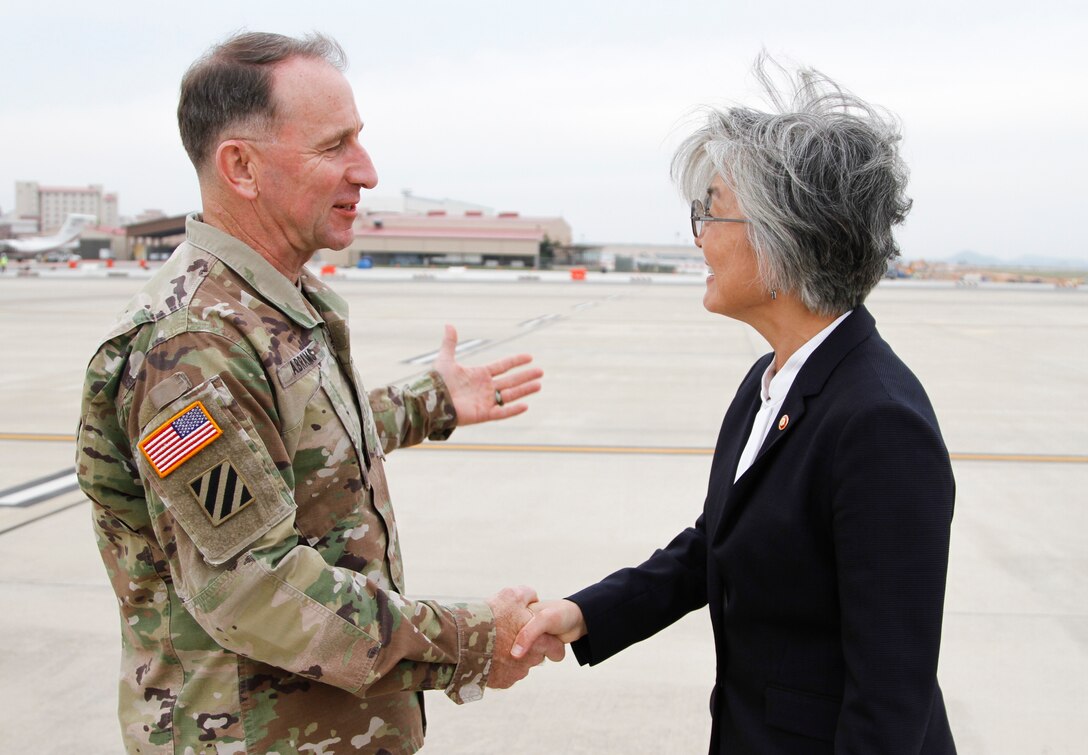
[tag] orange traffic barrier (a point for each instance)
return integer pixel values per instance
(577, 273)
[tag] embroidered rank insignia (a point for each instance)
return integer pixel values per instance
(222, 492)
(180, 438)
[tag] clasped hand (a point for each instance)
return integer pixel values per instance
(527, 631)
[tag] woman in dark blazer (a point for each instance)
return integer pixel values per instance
(823, 544)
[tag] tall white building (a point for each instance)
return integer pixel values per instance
(51, 204)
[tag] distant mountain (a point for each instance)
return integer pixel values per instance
(971, 258)
(968, 257)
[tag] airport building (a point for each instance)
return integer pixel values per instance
(391, 230)
(12, 227)
(641, 258)
(408, 231)
(441, 237)
(50, 205)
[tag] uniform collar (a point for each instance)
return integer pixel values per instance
(251, 266)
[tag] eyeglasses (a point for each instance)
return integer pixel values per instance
(700, 213)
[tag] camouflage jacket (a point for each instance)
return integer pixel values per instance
(242, 513)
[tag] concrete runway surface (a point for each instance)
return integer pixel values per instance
(610, 462)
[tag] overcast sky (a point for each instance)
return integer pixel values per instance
(573, 108)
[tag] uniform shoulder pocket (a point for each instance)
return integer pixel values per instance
(205, 461)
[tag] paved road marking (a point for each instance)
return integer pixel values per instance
(564, 449)
(558, 448)
(39, 490)
(462, 348)
(538, 321)
(673, 451)
(40, 517)
(39, 437)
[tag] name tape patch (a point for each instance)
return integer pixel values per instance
(298, 365)
(180, 438)
(304, 359)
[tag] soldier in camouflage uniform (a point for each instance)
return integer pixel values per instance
(235, 463)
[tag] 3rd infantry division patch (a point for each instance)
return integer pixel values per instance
(222, 492)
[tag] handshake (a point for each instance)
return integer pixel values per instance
(527, 631)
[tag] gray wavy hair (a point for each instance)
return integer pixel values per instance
(820, 178)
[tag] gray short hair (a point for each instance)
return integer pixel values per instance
(231, 84)
(820, 178)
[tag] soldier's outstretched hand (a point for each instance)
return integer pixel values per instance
(487, 392)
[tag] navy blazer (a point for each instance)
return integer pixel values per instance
(824, 564)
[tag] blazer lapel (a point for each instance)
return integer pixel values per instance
(809, 382)
(731, 439)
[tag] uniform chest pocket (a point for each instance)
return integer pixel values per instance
(329, 466)
(294, 407)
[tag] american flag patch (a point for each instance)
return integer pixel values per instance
(180, 438)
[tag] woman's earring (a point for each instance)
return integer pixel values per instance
(774, 294)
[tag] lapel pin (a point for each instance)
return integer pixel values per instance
(785, 420)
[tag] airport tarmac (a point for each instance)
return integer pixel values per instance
(609, 463)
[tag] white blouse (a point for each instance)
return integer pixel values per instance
(773, 393)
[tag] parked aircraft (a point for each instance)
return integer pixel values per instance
(35, 245)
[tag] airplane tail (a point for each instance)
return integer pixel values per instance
(73, 226)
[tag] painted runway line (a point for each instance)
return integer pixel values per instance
(562, 448)
(462, 348)
(42, 489)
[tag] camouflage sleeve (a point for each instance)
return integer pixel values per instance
(223, 508)
(407, 414)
